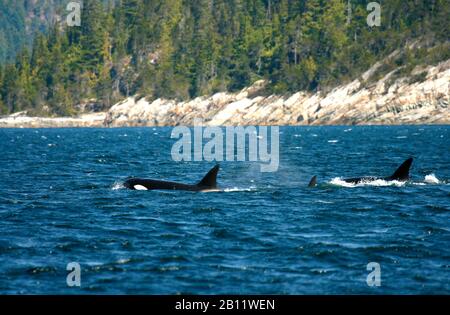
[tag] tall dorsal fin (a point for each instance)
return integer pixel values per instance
(210, 179)
(313, 182)
(402, 172)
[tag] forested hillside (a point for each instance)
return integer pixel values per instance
(20, 20)
(182, 49)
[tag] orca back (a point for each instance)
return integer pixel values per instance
(208, 182)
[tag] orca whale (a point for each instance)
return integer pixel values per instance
(313, 182)
(209, 182)
(401, 174)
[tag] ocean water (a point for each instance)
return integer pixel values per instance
(61, 201)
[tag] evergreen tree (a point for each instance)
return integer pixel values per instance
(184, 49)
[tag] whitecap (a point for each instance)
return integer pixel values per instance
(170, 268)
(237, 189)
(122, 261)
(333, 141)
(324, 201)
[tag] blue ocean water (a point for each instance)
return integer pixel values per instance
(61, 201)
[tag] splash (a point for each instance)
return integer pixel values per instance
(237, 189)
(431, 179)
(376, 183)
(339, 182)
(117, 186)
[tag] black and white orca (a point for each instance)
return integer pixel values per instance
(208, 183)
(401, 174)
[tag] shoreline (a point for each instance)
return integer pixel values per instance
(69, 122)
(384, 102)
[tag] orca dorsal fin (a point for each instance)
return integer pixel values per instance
(210, 179)
(402, 172)
(313, 182)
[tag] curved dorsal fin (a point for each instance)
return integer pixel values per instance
(313, 182)
(210, 179)
(402, 172)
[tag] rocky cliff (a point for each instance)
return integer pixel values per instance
(420, 98)
(401, 101)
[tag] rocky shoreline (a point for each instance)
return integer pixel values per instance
(421, 99)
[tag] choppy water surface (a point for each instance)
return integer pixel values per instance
(61, 201)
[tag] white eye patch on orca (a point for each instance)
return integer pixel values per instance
(140, 187)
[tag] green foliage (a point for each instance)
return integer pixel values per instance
(183, 49)
(20, 20)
